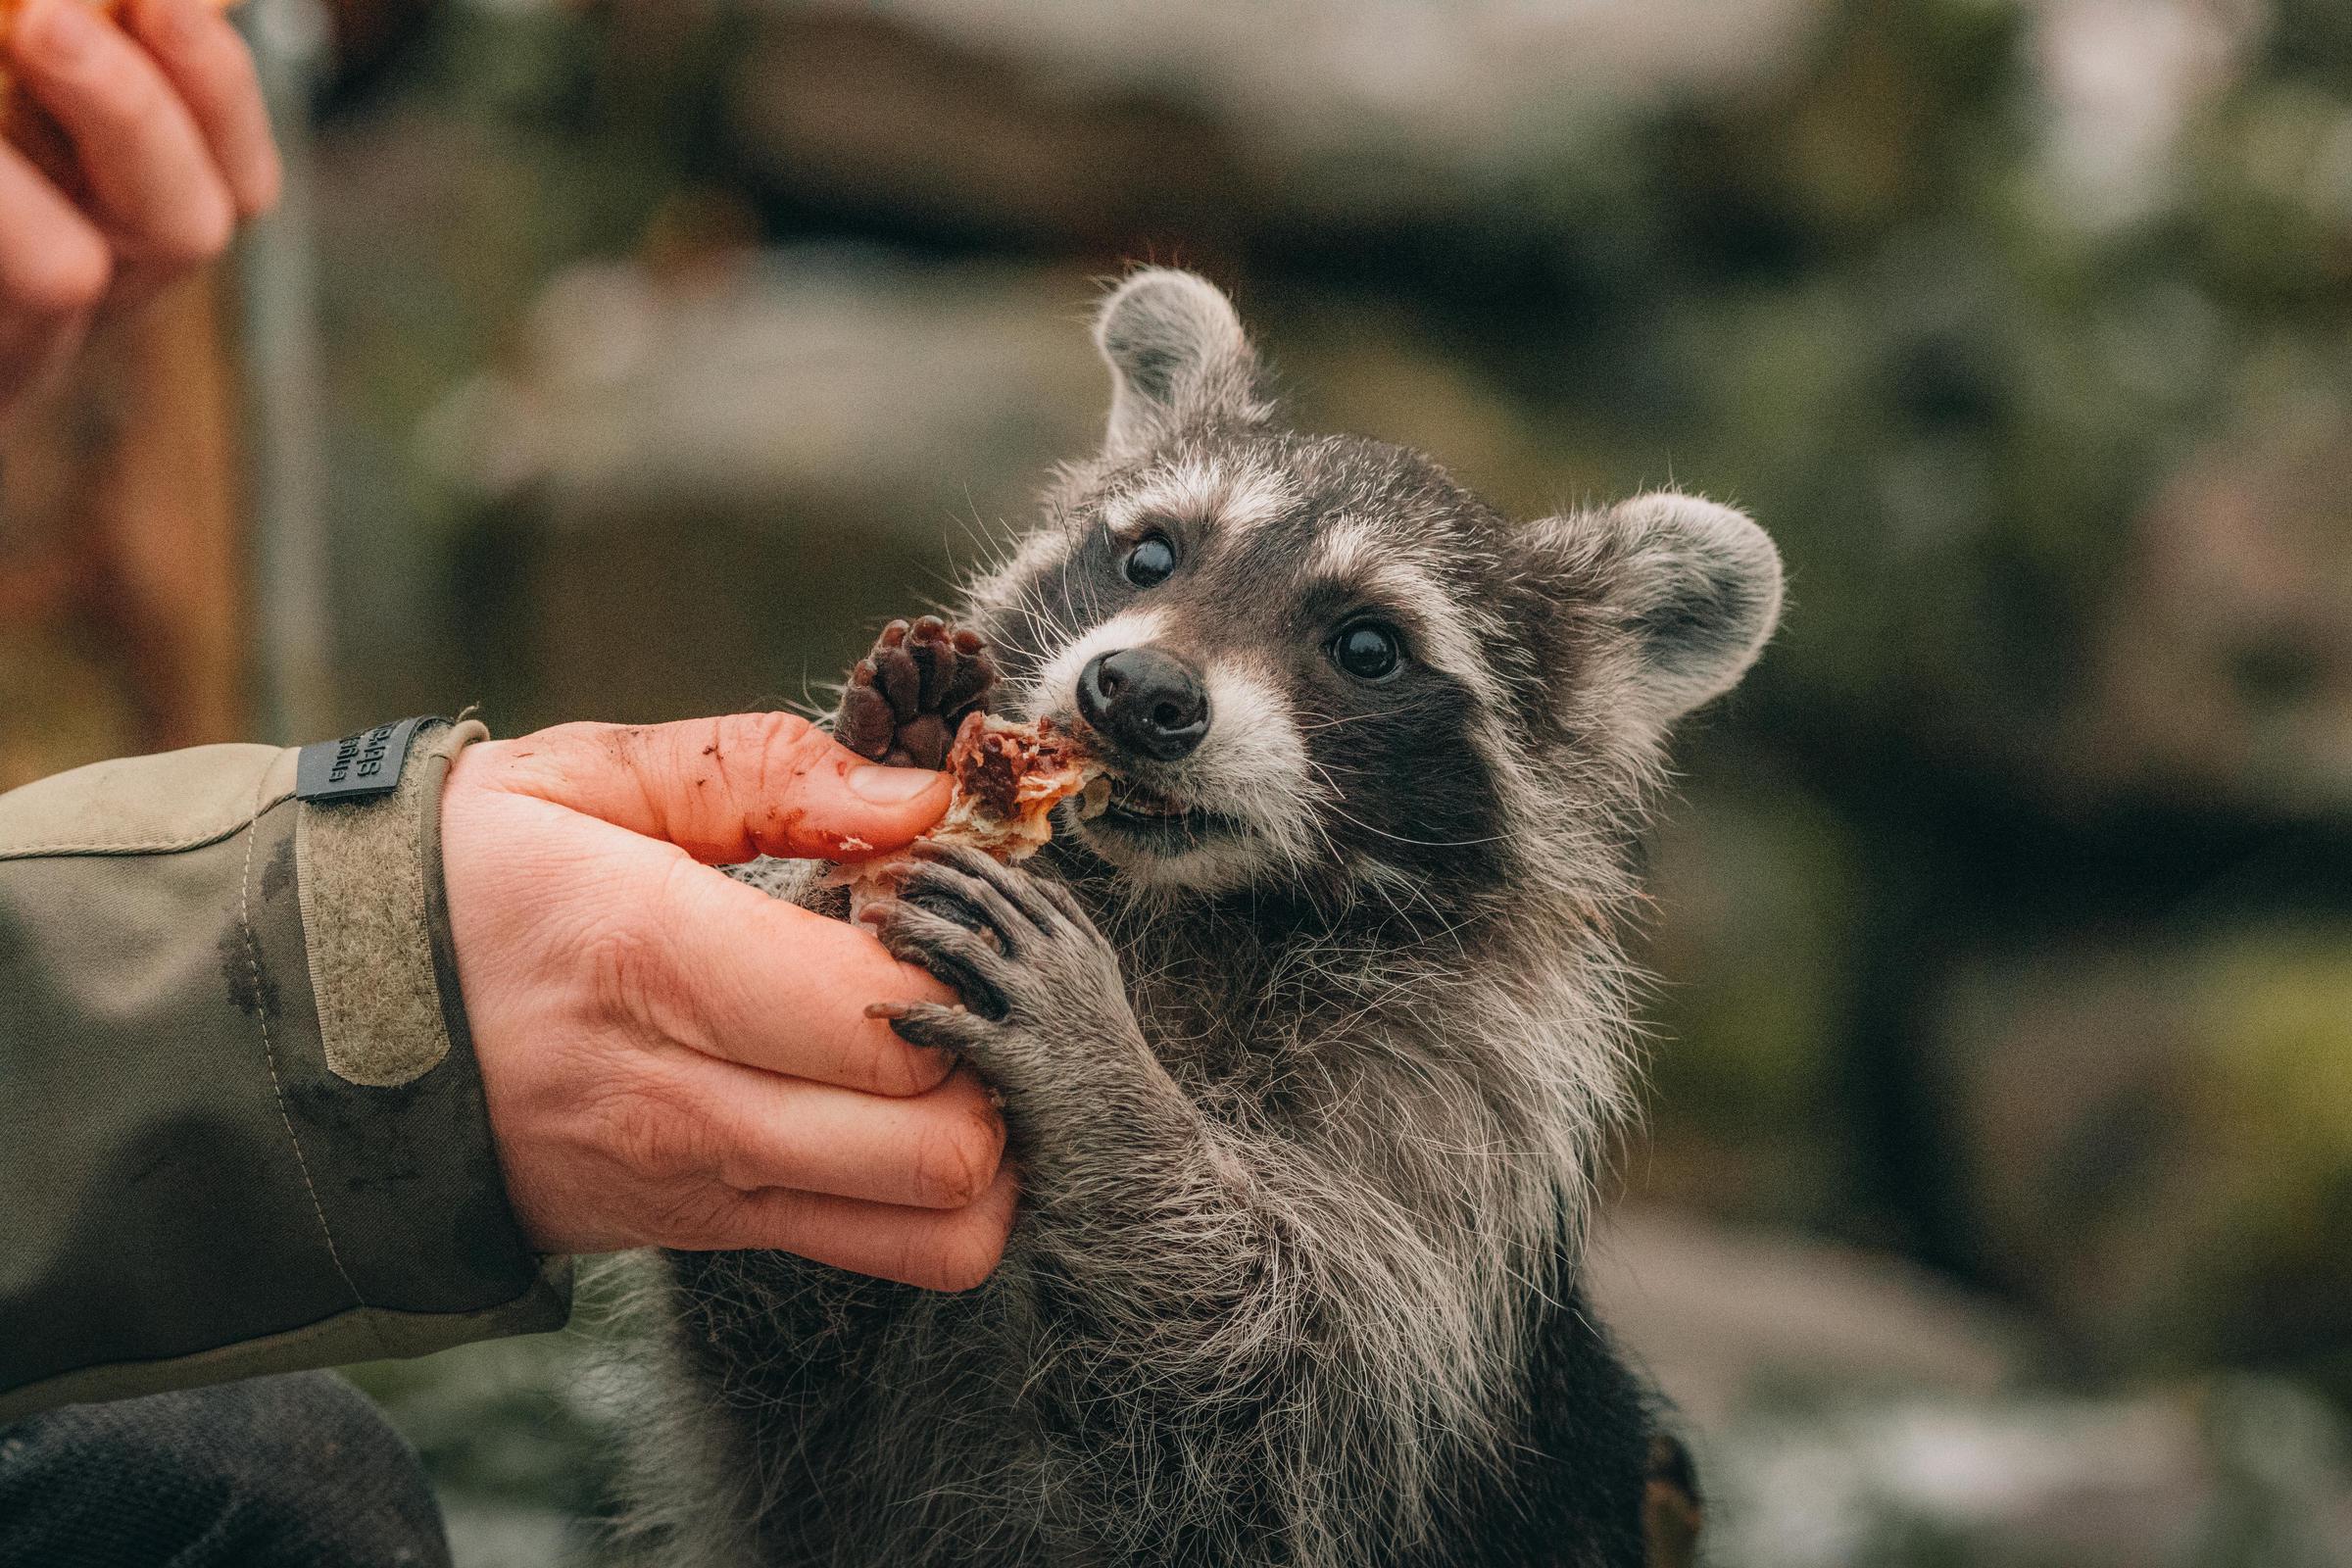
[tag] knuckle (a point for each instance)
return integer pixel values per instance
(956, 1160)
(789, 749)
(128, 100)
(260, 188)
(964, 1254)
(199, 232)
(692, 1215)
(650, 1133)
(899, 1071)
(767, 738)
(624, 970)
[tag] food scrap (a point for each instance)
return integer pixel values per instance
(1008, 778)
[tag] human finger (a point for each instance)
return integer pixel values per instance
(54, 264)
(939, 1249)
(752, 979)
(938, 1149)
(151, 175)
(726, 790)
(208, 63)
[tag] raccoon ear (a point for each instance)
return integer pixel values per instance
(1177, 355)
(1697, 585)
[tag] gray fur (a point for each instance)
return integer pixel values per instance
(1308, 1112)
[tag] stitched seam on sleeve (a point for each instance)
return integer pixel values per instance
(253, 958)
(146, 847)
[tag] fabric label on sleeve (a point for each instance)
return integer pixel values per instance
(357, 766)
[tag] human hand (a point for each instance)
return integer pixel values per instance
(154, 148)
(671, 1057)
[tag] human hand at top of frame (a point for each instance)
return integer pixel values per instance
(137, 144)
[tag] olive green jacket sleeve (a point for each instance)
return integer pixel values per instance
(241, 1127)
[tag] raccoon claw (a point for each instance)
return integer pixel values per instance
(904, 701)
(954, 950)
(931, 1026)
(1018, 950)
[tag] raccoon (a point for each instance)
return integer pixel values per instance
(1307, 1044)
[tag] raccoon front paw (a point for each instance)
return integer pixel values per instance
(1044, 1001)
(906, 698)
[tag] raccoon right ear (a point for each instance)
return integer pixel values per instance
(1177, 356)
(1697, 585)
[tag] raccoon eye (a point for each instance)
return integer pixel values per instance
(1152, 561)
(1368, 650)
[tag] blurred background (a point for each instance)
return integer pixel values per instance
(1995, 1205)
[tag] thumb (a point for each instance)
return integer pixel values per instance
(726, 790)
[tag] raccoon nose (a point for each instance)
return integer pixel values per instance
(1148, 701)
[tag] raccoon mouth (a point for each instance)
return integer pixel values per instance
(1139, 812)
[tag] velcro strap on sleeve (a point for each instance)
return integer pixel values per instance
(370, 884)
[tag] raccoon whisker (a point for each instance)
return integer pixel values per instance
(1423, 844)
(1337, 722)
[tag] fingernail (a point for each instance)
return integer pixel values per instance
(63, 32)
(890, 786)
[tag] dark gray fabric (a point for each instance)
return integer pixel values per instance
(285, 1472)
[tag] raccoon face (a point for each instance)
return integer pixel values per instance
(1317, 662)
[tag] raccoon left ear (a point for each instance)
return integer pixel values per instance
(1177, 356)
(1697, 585)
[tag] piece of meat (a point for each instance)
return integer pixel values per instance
(914, 701)
(1008, 778)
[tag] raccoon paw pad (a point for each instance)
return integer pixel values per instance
(905, 698)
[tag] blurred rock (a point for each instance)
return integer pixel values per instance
(1850, 1410)
(698, 489)
(870, 117)
(2235, 1474)
(1092, 122)
(2120, 80)
(1724, 1317)
(765, 384)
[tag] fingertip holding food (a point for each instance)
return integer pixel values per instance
(888, 786)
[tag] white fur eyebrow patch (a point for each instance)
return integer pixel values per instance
(1344, 552)
(1356, 554)
(1229, 498)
